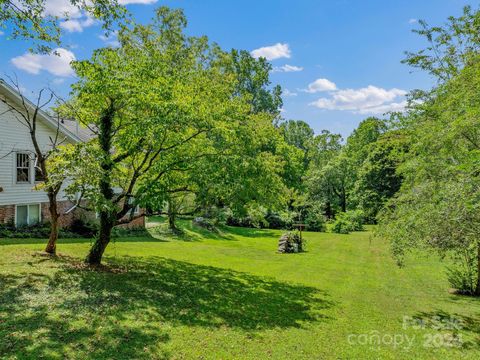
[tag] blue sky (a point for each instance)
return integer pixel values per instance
(338, 61)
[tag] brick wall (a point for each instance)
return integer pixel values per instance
(7, 215)
(63, 207)
(135, 223)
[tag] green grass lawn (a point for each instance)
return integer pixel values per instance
(229, 295)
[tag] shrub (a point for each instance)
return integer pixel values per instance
(204, 223)
(356, 218)
(291, 242)
(341, 225)
(288, 217)
(314, 220)
(138, 231)
(33, 231)
(255, 218)
(256, 215)
(274, 220)
(218, 215)
(462, 276)
(6, 230)
(39, 231)
(233, 220)
(84, 228)
(280, 220)
(346, 222)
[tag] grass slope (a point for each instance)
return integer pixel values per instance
(202, 295)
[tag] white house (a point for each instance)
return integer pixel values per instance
(20, 203)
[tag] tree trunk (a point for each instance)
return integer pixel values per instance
(343, 202)
(477, 289)
(171, 221)
(51, 247)
(171, 213)
(104, 236)
(108, 216)
(328, 210)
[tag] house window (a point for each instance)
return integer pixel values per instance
(23, 168)
(27, 215)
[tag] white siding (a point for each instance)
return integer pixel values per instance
(15, 137)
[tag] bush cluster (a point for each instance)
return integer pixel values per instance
(462, 275)
(33, 231)
(84, 228)
(204, 223)
(139, 231)
(346, 222)
(79, 228)
(314, 221)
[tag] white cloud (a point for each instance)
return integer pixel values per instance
(412, 21)
(287, 68)
(382, 109)
(75, 25)
(64, 8)
(321, 85)
(58, 81)
(273, 52)
(76, 19)
(57, 63)
(111, 39)
(287, 92)
(61, 9)
(71, 26)
(368, 100)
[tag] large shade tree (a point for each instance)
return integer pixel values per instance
(254, 165)
(325, 180)
(450, 47)
(437, 207)
(158, 104)
(378, 179)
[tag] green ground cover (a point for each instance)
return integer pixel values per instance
(228, 295)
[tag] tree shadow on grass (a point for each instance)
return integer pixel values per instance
(439, 320)
(186, 230)
(189, 233)
(123, 311)
(43, 242)
(42, 320)
(251, 232)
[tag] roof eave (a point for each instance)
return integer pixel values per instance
(17, 98)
